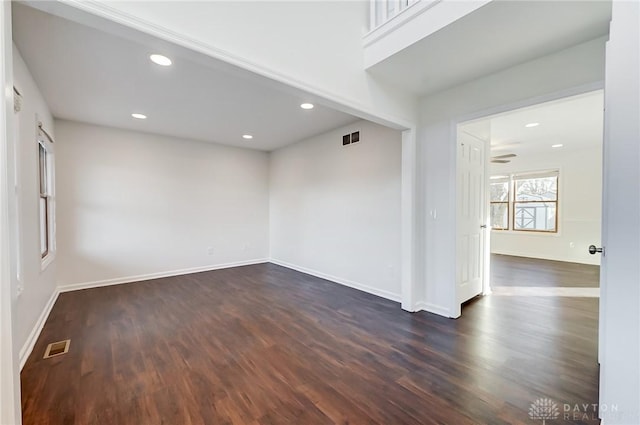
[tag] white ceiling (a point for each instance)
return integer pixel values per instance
(499, 35)
(97, 77)
(575, 122)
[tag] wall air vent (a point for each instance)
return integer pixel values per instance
(348, 139)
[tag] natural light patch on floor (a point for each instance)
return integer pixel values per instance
(538, 291)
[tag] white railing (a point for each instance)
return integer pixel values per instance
(382, 11)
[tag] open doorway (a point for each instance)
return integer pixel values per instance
(530, 200)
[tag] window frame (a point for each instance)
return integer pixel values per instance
(513, 203)
(45, 193)
(502, 179)
(508, 214)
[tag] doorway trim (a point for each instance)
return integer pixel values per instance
(10, 408)
(455, 306)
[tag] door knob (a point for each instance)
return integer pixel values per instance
(483, 226)
(593, 249)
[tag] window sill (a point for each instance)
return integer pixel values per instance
(524, 233)
(46, 261)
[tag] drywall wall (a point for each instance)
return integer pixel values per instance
(335, 211)
(579, 207)
(576, 67)
(134, 205)
(37, 286)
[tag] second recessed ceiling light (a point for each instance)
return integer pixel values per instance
(160, 59)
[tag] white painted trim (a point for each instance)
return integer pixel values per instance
(149, 276)
(408, 221)
(27, 348)
(433, 308)
(46, 261)
(9, 372)
(346, 282)
(407, 14)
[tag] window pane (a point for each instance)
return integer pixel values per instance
(499, 216)
(42, 158)
(44, 228)
(537, 189)
(499, 192)
(539, 216)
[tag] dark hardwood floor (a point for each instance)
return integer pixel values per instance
(507, 270)
(267, 345)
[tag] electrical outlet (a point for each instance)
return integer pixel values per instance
(355, 137)
(346, 139)
(210, 250)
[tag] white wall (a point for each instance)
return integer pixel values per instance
(579, 207)
(335, 211)
(132, 205)
(38, 286)
(515, 87)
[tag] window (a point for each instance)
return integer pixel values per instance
(532, 198)
(499, 196)
(44, 171)
(536, 202)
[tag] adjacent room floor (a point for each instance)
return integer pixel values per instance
(267, 345)
(508, 270)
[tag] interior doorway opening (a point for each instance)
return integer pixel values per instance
(529, 200)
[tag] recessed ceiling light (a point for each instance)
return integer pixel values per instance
(307, 106)
(139, 116)
(247, 136)
(160, 59)
(559, 145)
(532, 124)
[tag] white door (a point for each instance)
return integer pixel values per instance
(471, 210)
(620, 287)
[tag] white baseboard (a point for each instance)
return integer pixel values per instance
(433, 308)
(346, 282)
(27, 348)
(149, 276)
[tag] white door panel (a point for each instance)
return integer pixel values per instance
(471, 212)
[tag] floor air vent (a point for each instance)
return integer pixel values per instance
(57, 348)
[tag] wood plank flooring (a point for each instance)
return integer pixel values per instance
(507, 270)
(262, 345)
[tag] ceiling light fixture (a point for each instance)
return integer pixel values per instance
(532, 124)
(559, 145)
(247, 136)
(139, 116)
(160, 59)
(307, 106)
